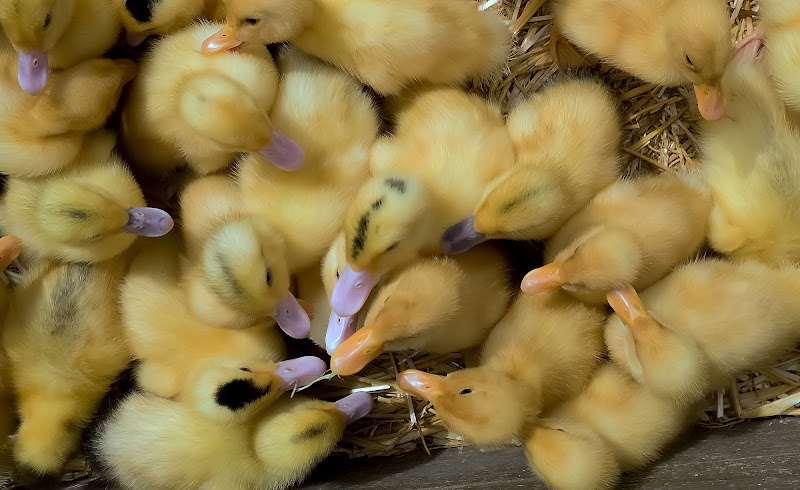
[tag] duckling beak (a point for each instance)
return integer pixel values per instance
(423, 385)
(627, 304)
(32, 71)
(10, 248)
(352, 291)
(356, 352)
(149, 222)
(461, 237)
(300, 372)
(751, 46)
(223, 40)
(284, 152)
(710, 101)
(135, 39)
(355, 406)
(340, 328)
(292, 318)
(542, 280)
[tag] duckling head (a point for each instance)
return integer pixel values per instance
(383, 230)
(34, 27)
(142, 18)
(568, 455)
(246, 270)
(261, 21)
(481, 405)
(698, 34)
(229, 389)
(671, 364)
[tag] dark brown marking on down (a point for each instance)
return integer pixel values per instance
(396, 184)
(377, 204)
(521, 199)
(141, 10)
(237, 394)
(361, 236)
(228, 277)
(65, 298)
(311, 433)
(76, 214)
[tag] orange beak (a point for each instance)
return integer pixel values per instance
(356, 352)
(423, 385)
(224, 40)
(710, 101)
(628, 305)
(10, 248)
(542, 280)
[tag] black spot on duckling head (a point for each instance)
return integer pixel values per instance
(141, 10)
(76, 214)
(397, 184)
(521, 199)
(239, 393)
(361, 236)
(377, 204)
(311, 433)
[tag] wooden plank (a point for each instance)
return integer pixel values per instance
(764, 453)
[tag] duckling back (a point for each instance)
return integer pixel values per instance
(781, 30)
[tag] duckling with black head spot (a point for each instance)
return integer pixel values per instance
(143, 18)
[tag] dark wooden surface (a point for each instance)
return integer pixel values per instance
(762, 454)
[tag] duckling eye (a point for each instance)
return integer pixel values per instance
(337, 274)
(689, 62)
(392, 247)
(247, 370)
(47, 21)
(269, 277)
(252, 21)
(465, 391)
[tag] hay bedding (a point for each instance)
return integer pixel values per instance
(660, 134)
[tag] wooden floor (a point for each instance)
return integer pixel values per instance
(763, 454)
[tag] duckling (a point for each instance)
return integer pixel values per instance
(633, 233)
(615, 425)
(661, 41)
(703, 324)
(44, 134)
(186, 108)
(438, 305)
(224, 438)
(141, 19)
(10, 248)
(555, 173)
(167, 338)
(91, 212)
(448, 146)
(65, 345)
(51, 34)
(443, 42)
(780, 24)
(542, 352)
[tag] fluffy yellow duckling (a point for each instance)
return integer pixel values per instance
(448, 146)
(669, 42)
(10, 248)
(632, 234)
(188, 108)
(542, 352)
(752, 166)
(43, 134)
(704, 324)
(167, 338)
(90, 212)
(780, 29)
(142, 18)
(555, 174)
(616, 425)
(444, 42)
(224, 438)
(57, 34)
(65, 345)
(438, 305)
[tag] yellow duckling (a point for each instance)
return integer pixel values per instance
(448, 146)
(616, 425)
(65, 345)
(438, 305)
(780, 29)
(632, 234)
(57, 34)
(171, 342)
(443, 42)
(186, 108)
(90, 212)
(10, 248)
(223, 437)
(703, 324)
(555, 174)
(43, 134)
(669, 42)
(752, 166)
(541, 353)
(143, 18)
